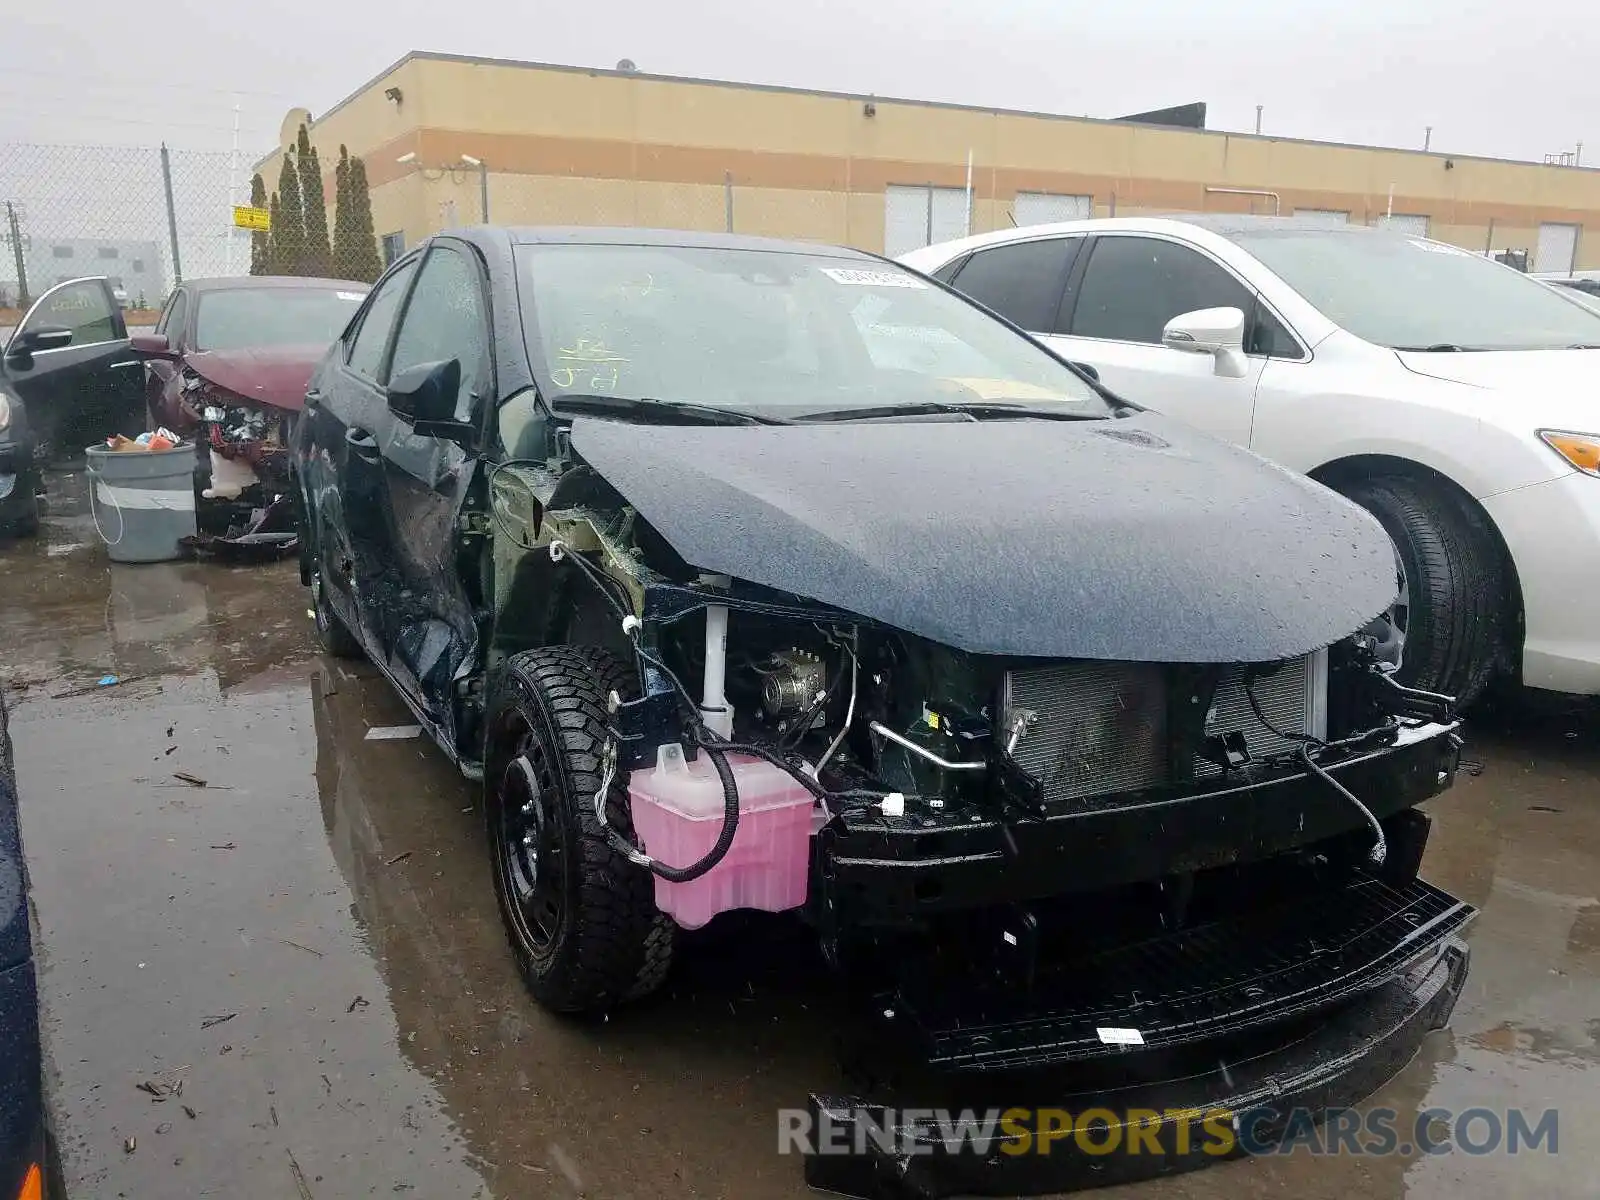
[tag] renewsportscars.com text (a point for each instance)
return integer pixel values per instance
(1218, 1132)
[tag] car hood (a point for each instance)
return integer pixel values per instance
(1135, 539)
(271, 375)
(1564, 384)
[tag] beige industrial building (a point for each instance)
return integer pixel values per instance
(544, 144)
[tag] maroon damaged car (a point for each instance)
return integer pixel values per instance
(228, 365)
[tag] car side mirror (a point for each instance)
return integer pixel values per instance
(153, 345)
(1218, 332)
(31, 341)
(424, 397)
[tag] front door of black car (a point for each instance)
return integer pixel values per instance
(340, 465)
(434, 629)
(85, 390)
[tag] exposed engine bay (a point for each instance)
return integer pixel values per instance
(246, 443)
(938, 786)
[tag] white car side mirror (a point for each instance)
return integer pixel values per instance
(1215, 331)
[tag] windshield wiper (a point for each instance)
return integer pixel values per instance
(976, 411)
(1436, 348)
(680, 410)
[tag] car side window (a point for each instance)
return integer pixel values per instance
(171, 323)
(446, 319)
(1266, 336)
(1022, 281)
(372, 336)
(1134, 285)
(948, 272)
(84, 306)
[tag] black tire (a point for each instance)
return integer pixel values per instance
(581, 918)
(332, 632)
(1455, 579)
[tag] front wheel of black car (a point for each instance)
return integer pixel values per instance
(581, 918)
(1453, 584)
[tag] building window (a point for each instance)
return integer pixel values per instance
(1045, 208)
(107, 252)
(1321, 216)
(394, 245)
(1414, 224)
(60, 251)
(922, 216)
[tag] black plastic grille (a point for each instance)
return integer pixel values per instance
(1215, 979)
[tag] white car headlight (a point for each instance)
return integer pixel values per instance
(1581, 450)
(5, 412)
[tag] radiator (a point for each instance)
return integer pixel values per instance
(1101, 727)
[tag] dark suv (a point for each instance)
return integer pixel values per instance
(752, 574)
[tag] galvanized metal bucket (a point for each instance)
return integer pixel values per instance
(142, 501)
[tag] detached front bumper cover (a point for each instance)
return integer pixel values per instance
(1328, 1064)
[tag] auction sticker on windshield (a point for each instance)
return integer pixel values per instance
(860, 278)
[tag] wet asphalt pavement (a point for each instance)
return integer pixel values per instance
(308, 945)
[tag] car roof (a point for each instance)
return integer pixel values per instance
(1228, 226)
(254, 282)
(596, 235)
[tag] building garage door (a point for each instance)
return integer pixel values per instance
(921, 216)
(1416, 226)
(1044, 208)
(1321, 216)
(1558, 248)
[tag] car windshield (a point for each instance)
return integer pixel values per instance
(234, 318)
(1415, 294)
(772, 332)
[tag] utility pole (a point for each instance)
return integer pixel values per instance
(172, 214)
(1427, 139)
(16, 250)
(233, 183)
(1258, 118)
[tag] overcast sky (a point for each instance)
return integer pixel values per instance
(1517, 80)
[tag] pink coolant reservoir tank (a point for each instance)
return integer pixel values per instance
(679, 808)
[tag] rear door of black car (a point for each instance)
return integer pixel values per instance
(88, 389)
(446, 317)
(340, 463)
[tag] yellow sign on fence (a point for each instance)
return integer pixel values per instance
(252, 218)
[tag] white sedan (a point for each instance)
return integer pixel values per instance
(1455, 398)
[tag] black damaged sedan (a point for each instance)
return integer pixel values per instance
(758, 575)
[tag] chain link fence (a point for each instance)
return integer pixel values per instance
(144, 216)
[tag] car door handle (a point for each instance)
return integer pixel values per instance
(363, 443)
(129, 365)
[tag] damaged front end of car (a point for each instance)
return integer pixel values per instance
(1059, 867)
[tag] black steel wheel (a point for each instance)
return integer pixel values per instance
(581, 918)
